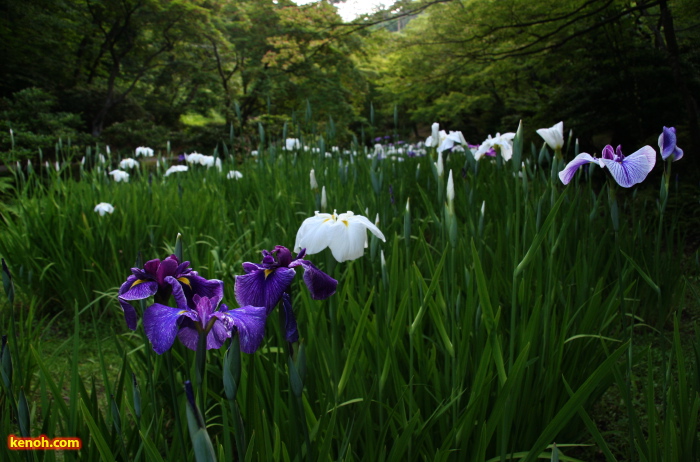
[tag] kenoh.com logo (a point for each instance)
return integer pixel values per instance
(42, 442)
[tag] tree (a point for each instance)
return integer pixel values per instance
(594, 63)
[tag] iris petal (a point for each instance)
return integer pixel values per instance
(321, 286)
(634, 168)
(291, 334)
(250, 267)
(205, 309)
(553, 136)
(568, 173)
(151, 266)
(313, 233)
(129, 314)
(347, 242)
(364, 221)
(667, 144)
(211, 288)
(140, 291)
(263, 288)
(124, 288)
(250, 323)
(178, 293)
(167, 268)
(189, 336)
(160, 323)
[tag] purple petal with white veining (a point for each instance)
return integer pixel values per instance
(205, 308)
(250, 323)
(126, 285)
(321, 286)
(263, 287)
(141, 290)
(189, 336)
(568, 173)
(634, 168)
(160, 323)
(178, 294)
(250, 267)
(211, 288)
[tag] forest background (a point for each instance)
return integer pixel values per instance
(127, 73)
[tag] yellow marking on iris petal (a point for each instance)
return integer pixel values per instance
(181, 312)
(137, 282)
(345, 222)
(327, 219)
(267, 272)
(184, 280)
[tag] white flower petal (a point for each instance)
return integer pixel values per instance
(348, 242)
(344, 234)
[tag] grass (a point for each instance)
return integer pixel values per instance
(610, 413)
(467, 335)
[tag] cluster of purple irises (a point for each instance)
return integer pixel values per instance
(198, 309)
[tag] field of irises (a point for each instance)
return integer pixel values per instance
(454, 302)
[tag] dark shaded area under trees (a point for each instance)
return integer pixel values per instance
(131, 72)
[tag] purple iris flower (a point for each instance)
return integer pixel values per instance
(625, 170)
(267, 283)
(151, 280)
(378, 139)
(667, 144)
(163, 323)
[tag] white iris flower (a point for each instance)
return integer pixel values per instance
(504, 142)
(104, 207)
(128, 163)
(119, 175)
(291, 144)
(140, 151)
(175, 169)
(553, 136)
(344, 234)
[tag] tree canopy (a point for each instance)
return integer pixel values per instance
(143, 71)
